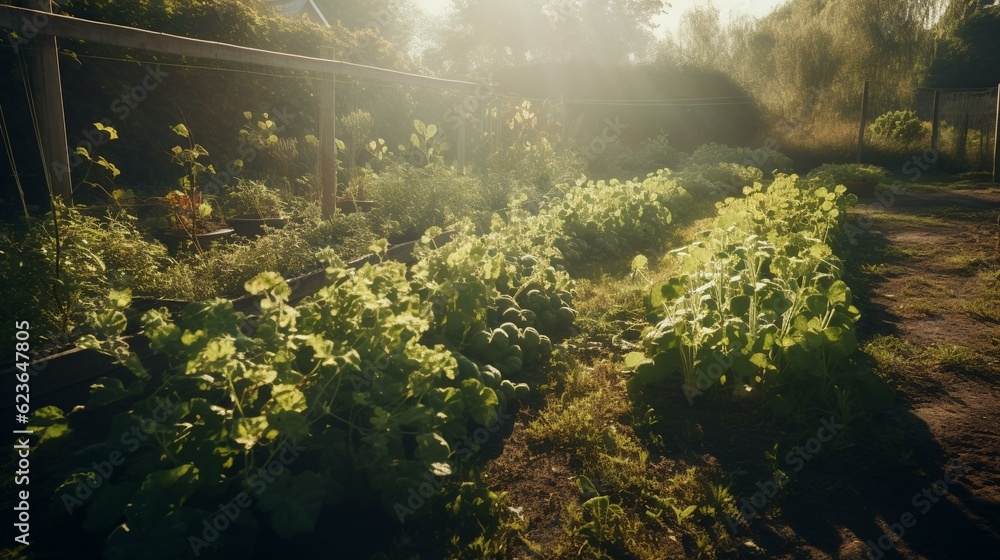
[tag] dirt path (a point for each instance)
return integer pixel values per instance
(922, 271)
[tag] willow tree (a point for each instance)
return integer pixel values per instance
(808, 49)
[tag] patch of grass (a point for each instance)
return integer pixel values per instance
(610, 306)
(895, 356)
(966, 262)
(985, 305)
(923, 308)
(891, 353)
(875, 269)
(910, 219)
(953, 358)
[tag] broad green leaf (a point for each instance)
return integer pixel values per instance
(294, 502)
(249, 430)
(635, 359)
(739, 306)
(432, 448)
(665, 293)
(840, 294)
(289, 423)
(640, 262)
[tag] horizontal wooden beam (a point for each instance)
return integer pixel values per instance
(23, 20)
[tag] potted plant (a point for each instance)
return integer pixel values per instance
(252, 206)
(358, 125)
(355, 199)
(189, 211)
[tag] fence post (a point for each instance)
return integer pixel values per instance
(328, 140)
(996, 143)
(864, 119)
(47, 93)
(936, 126)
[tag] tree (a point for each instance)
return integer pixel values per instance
(488, 34)
(969, 56)
(392, 19)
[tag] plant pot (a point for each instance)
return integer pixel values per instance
(348, 206)
(174, 240)
(254, 227)
(860, 188)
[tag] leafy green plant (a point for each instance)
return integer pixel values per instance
(652, 154)
(110, 171)
(851, 172)
(766, 159)
(425, 148)
(606, 218)
(718, 180)
(412, 199)
(897, 126)
(65, 262)
(253, 199)
(189, 210)
(760, 306)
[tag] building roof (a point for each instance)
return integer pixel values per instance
(297, 7)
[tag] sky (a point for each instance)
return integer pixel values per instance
(668, 21)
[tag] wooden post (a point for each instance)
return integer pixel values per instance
(46, 86)
(996, 143)
(328, 140)
(936, 126)
(461, 135)
(864, 119)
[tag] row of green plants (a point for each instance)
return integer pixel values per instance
(365, 390)
(760, 308)
(58, 264)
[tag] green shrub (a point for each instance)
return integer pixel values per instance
(897, 126)
(851, 172)
(528, 168)
(765, 159)
(718, 180)
(54, 272)
(223, 270)
(412, 199)
(253, 199)
(652, 154)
